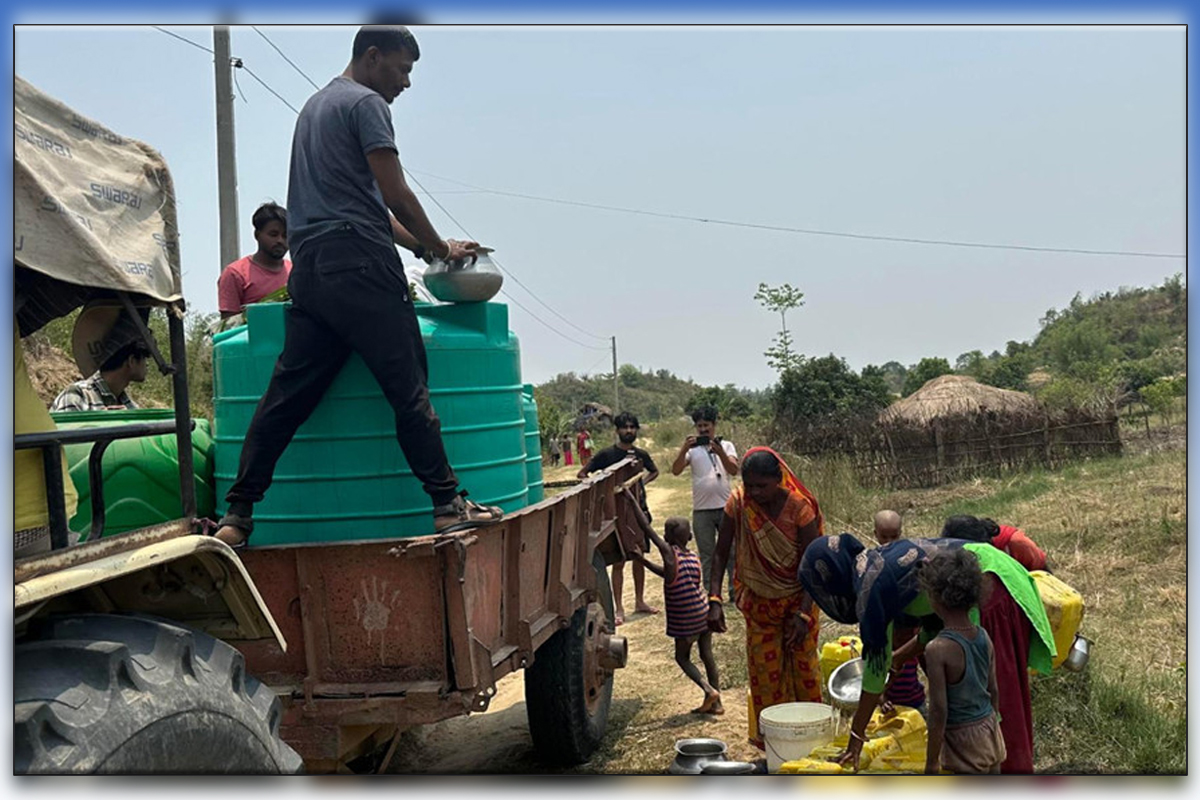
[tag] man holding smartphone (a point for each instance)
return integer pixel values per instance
(713, 462)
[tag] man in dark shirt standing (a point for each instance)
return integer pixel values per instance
(627, 430)
(348, 206)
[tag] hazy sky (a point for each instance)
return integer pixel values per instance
(1031, 136)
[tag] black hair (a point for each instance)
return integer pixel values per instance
(269, 212)
(964, 526)
(762, 463)
(118, 359)
(626, 420)
(706, 413)
(953, 578)
(673, 524)
(386, 38)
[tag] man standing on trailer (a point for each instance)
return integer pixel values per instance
(348, 288)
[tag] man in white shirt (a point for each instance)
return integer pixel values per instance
(713, 462)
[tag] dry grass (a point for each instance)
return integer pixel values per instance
(50, 369)
(1116, 529)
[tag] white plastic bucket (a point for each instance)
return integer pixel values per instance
(791, 730)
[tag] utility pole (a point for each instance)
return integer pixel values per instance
(227, 206)
(616, 380)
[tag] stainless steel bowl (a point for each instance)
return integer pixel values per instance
(845, 684)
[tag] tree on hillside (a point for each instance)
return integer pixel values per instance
(971, 363)
(894, 374)
(553, 422)
(727, 400)
(650, 394)
(631, 376)
(875, 384)
(1008, 372)
(780, 299)
(925, 370)
(822, 387)
(1081, 349)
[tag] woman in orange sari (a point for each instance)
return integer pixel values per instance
(772, 518)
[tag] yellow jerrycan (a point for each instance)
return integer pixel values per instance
(834, 654)
(1064, 608)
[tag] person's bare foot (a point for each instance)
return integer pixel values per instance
(711, 705)
(619, 617)
(230, 535)
(642, 608)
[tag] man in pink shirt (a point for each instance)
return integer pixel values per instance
(254, 277)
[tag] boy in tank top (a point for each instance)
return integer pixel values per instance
(963, 726)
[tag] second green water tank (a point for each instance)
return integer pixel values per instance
(344, 477)
(533, 445)
(141, 476)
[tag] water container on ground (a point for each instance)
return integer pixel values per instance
(791, 730)
(141, 476)
(344, 477)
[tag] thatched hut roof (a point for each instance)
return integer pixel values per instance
(954, 395)
(1038, 378)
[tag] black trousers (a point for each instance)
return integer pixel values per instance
(348, 295)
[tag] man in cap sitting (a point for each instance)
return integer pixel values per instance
(106, 388)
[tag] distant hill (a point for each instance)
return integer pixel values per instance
(651, 395)
(1130, 336)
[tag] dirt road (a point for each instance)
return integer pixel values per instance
(651, 698)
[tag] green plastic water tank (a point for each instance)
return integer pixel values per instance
(344, 477)
(533, 445)
(141, 476)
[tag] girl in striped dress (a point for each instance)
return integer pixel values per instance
(687, 604)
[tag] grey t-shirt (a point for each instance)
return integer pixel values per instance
(330, 182)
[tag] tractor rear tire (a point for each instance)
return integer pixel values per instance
(567, 711)
(115, 694)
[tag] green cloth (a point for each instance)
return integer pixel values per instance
(1024, 591)
(874, 681)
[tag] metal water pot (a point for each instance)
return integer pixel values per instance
(729, 768)
(692, 755)
(1077, 656)
(463, 281)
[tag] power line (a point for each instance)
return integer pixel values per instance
(240, 93)
(506, 294)
(809, 231)
(688, 218)
(237, 62)
(443, 209)
(507, 271)
(284, 57)
(183, 39)
(548, 325)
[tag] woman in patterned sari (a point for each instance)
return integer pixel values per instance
(772, 518)
(878, 589)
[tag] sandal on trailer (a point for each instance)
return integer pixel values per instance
(244, 524)
(461, 514)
